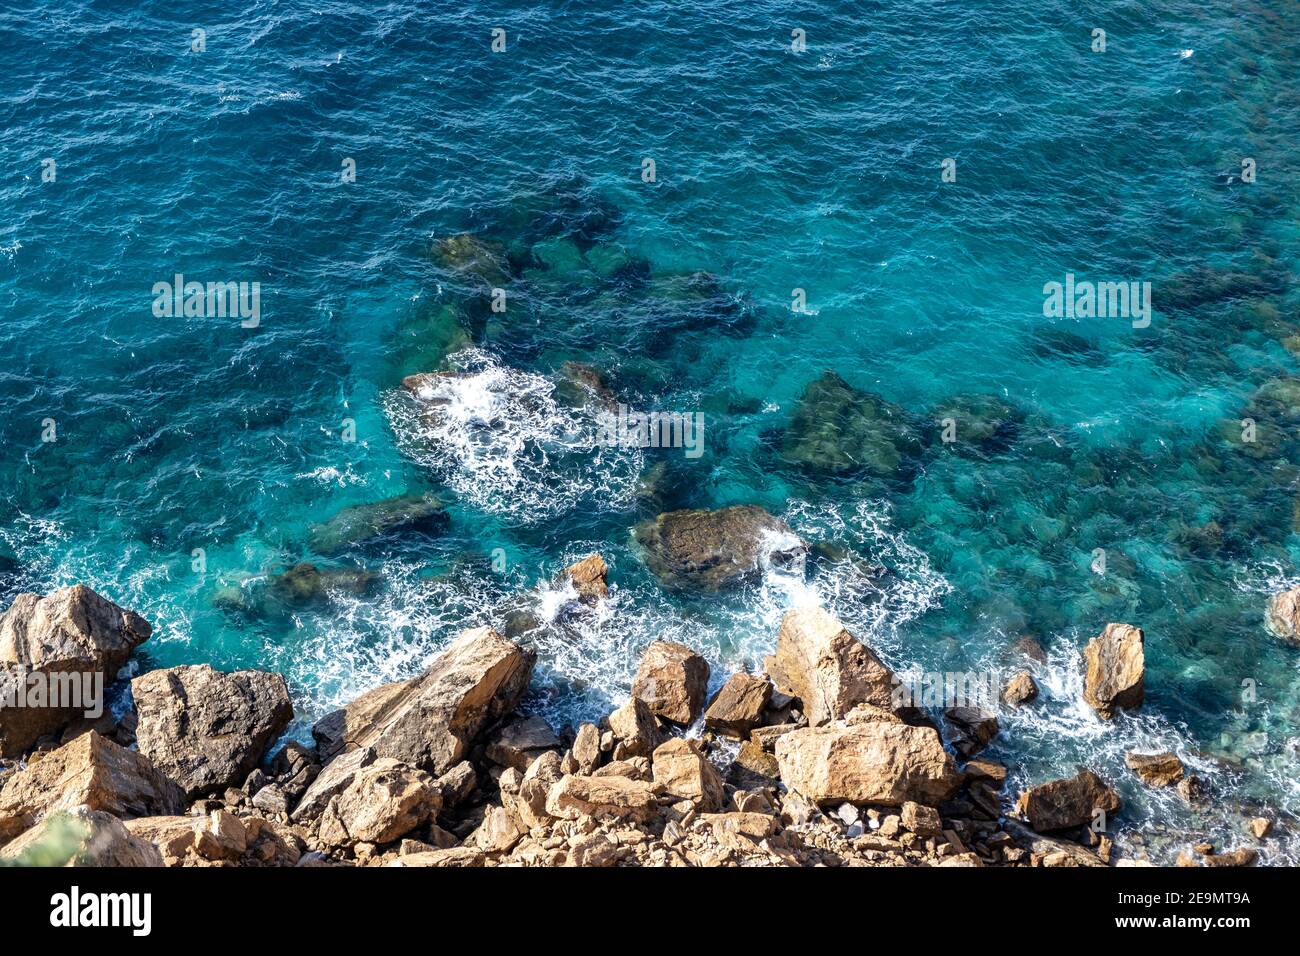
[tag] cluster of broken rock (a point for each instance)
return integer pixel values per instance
(808, 764)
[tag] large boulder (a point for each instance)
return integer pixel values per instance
(711, 550)
(818, 661)
(520, 742)
(1282, 617)
(673, 681)
(1115, 666)
(1162, 769)
(73, 633)
(384, 801)
(430, 720)
(332, 780)
(81, 837)
(607, 797)
(588, 577)
(90, 771)
(206, 729)
(839, 430)
(681, 769)
(360, 525)
(738, 707)
(1069, 802)
(880, 761)
(635, 729)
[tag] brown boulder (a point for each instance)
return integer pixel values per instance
(681, 769)
(672, 680)
(635, 729)
(206, 729)
(72, 632)
(1115, 666)
(430, 721)
(1021, 689)
(605, 797)
(520, 742)
(1282, 616)
(1156, 770)
(711, 550)
(975, 729)
(90, 771)
(80, 837)
(738, 707)
(588, 577)
(385, 801)
(880, 762)
(826, 667)
(1069, 802)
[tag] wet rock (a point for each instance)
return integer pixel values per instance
(205, 729)
(305, 585)
(360, 525)
(880, 762)
(711, 550)
(74, 633)
(672, 680)
(681, 769)
(588, 578)
(81, 837)
(383, 802)
(90, 771)
(520, 742)
(975, 729)
(1205, 285)
(1282, 617)
(1029, 646)
(1193, 790)
(1261, 827)
(1069, 802)
(480, 260)
(1115, 667)
(430, 721)
(839, 430)
(828, 669)
(738, 707)
(985, 424)
(583, 386)
(1156, 770)
(1240, 857)
(1020, 689)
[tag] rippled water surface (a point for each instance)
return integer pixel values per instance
(775, 171)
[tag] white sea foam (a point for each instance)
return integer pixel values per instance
(499, 440)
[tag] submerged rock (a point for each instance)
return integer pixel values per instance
(206, 729)
(880, 761)
(710, 550)
(839, 430)
(1115, 670)
(828, 669)
(473, 257)
(359, 525)
(91, 771)
(1069, 802)
(72, 632)
(430, 720)
(305, 584)
(672, 680)
(981, 423)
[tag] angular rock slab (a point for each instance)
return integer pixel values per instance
(1068, 802)
(1115, 667)
(672, 680)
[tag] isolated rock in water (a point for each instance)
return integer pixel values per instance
(72, 632)
(1156, 770)
(305, 584)
(430, 721)
(1115, 666)
(682, 770)
(738, 707)
(520, 742)
(608, 797)
(710, 550)
(672, 680)
(385, 801)
(90, 771)
(1021, 689)
(588, 577)
(881, 762)
(206, 729)
(81, 837)
(1069, 802)
(364, 524)
(826, 667)
(839, 430)
(635, 729)
(979, 423)
(1283, 616)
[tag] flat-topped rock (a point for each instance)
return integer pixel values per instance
(711, 550)
(672, 680)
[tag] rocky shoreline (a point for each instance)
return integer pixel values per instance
(813, 763)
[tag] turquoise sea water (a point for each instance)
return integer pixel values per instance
(775, 170)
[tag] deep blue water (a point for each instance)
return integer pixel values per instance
(775, 170)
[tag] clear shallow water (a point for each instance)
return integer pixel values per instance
(775, 171)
